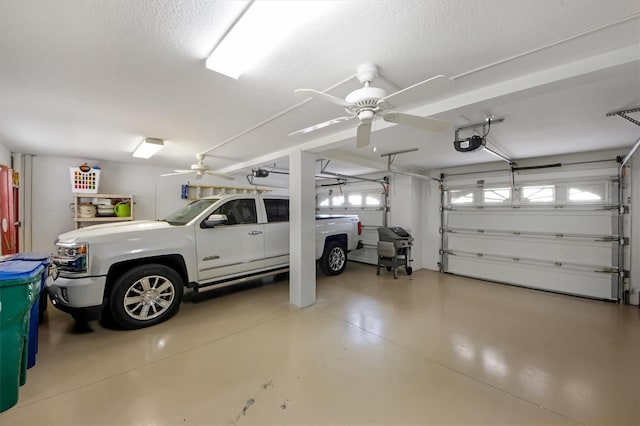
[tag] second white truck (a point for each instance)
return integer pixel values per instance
(136, 272)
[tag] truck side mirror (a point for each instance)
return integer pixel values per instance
(214, 220)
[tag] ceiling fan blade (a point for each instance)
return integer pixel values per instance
(423, 123)
(418, 92)
(322, 125)
(323, 96)
(177, 172)
(363, 135)
(218, 174)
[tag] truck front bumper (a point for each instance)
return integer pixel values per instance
(83, 298)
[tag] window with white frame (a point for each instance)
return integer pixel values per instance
(337, 201)
(539, 194)
(324, 201)
(587, 192)
(497, 195)
(460, 197)
(373, 200)
(355, 200)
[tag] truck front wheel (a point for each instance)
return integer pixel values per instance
(145, 295)
(334, 258)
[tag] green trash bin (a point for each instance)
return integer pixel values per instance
(19, 290)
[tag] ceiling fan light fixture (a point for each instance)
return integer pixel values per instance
(148, 148)
(261, 27)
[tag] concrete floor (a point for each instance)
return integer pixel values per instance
(426, 349)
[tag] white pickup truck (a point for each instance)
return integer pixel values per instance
(136, 272)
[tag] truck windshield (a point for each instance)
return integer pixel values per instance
(187, 213)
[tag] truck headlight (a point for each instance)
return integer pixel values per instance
(72, 257)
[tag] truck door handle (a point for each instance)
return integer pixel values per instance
(255, 232)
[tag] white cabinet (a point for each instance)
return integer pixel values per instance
(84, 204)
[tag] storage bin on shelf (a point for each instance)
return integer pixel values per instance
(84, 182)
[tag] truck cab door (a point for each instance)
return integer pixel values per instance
(234, 247)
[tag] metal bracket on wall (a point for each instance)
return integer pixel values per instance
(391, 157)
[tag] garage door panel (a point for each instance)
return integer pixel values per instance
(533, 221)
(596, 285)
(555, 231)
(585, 253)
(362, 198)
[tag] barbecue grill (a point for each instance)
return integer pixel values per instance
(394, 250)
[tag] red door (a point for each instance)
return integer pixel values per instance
(8, 212)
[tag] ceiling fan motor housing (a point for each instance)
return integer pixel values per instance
(367, 97)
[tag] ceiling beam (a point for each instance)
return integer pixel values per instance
(544, 77)
(513, 86)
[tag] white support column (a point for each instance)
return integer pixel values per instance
(302, 240)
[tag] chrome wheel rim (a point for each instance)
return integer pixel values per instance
(336, 259)
(149, 297)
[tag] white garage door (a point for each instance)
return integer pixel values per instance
(365, 199)
(555, 231)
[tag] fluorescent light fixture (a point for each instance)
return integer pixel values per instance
(148, 147)
(260, 29)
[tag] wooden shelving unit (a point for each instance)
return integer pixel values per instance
(95, 199)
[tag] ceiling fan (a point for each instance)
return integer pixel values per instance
(200, 169)
(369, 102)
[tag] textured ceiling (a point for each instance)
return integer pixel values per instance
(92, 78)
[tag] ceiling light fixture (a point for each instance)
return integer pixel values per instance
(148, 147)
(259, 29)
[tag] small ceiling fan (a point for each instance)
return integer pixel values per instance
(369, 102)
(200, 169)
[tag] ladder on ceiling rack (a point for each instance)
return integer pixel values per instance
(195, 192)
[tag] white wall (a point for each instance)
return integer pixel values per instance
(406, 194)
(154, 196)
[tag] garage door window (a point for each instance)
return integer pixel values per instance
(337, 201)
(538, 194)
(587, 192)
(372, 200)
(497, 195)
(460, 197)
(355, 200)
